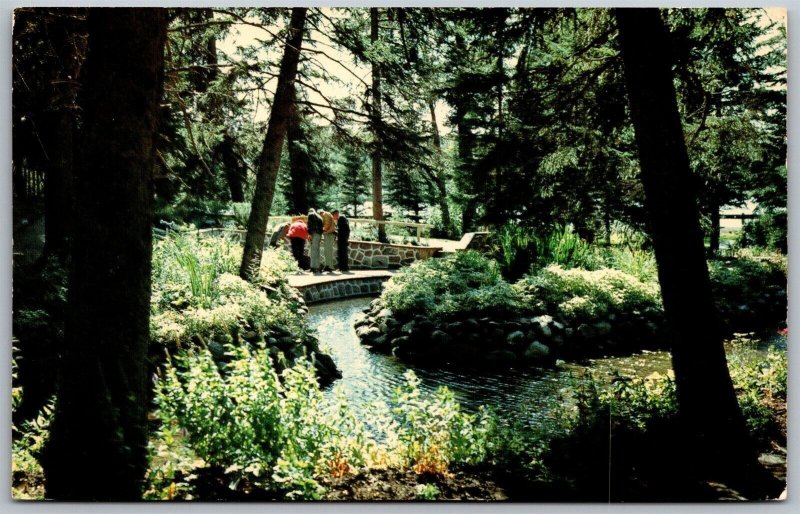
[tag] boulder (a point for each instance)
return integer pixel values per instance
(516, 338)
(497, 357)
(409, 327)
(402, 341)
(471, 325)
(602, 328)
(440, 337)
(536, 351)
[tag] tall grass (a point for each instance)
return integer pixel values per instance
(520, 249)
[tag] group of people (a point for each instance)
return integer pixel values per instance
(320, 228)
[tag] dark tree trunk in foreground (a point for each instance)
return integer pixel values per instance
(711, 420)
(97, 449)
(714, 229)
(300, 163)
(377, 180)
(270, 160)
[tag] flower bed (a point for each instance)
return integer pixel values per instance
(459, 311)
(199, 301)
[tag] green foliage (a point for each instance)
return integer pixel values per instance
(769, 231)
(27, 444)
(198, 295)
(241, 213)
(520, 248)
(246, 420)
(578, 294)
(428, 492)
(193, 210)
(750, 291)
(278, 432)
(639, 263)
(463, 282)
(760, 381)
(432, 433)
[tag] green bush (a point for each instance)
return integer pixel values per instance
(519, 249)
(749, 291)
(279, 432)
(769, 230)
(276, 431)
(197, 294)
(760, 381)
(463, 282)
(639, 263)
(431, 433)
(577, 294)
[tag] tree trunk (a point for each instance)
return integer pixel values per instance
(300, 163)
(58, 183)
(377, 181)
(270, 159)
(98, 442)
(714, 230)
(441, 184)
(234, 171)
(709, 412)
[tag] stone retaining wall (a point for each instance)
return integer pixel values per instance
(362, 254)
(345, 288)
(374, 255)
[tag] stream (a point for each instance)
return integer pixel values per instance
(519, 395)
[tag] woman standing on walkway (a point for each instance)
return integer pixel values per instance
(297, 234)
(328, 235)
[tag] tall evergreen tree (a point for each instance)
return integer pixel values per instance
(270, 158)
(97, 447)
(708, 409)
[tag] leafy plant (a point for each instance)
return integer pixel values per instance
(578, 294)
(427, 492)
(463, 282)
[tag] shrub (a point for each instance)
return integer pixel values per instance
(463, 282)
(639, 263)
(578, 294)
(28, 442)
(273, 430)
(769, 230)
(760, 381)
(197, 294)
(431, 433)
(519, 248)
(750, 291)
(279, 432)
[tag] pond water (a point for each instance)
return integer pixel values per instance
(523, 395)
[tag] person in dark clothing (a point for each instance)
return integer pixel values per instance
(315, 236)
(342, 240)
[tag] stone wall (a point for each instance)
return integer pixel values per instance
(363, 254)
(344, 288)
(374, 255)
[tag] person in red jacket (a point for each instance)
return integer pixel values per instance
(297, 234)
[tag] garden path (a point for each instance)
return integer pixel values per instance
(306, 278)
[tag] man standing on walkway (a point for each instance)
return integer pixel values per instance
(328, 234)
(315, 233)
(343, 239)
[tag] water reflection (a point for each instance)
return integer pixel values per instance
(524, 395)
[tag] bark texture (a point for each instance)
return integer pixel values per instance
(377, 158)
(710, 415)
(270, 159)
(97, 449)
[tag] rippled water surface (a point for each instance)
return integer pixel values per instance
(523, 395)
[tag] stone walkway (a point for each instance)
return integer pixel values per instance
(306, 278)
